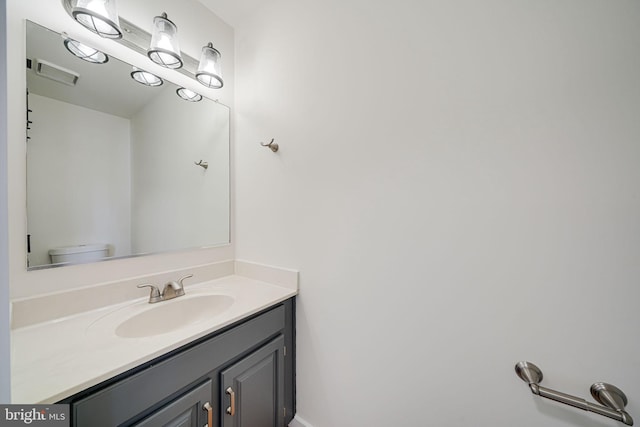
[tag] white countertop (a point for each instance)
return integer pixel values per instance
(58, 358)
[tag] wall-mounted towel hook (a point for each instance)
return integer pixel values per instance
(205, 165)
(274, 147)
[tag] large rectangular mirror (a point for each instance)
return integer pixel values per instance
(116, 168)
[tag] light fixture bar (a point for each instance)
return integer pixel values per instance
(137, 39)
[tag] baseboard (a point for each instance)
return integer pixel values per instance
(299, 422)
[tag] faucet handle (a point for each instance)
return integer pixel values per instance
(154, 295)
(185, 277)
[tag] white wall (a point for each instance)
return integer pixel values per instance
(169, 191)
(60, 180)
(458, 186)
(196, 26)
(5, 374)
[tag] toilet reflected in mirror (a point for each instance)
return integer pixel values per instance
(79, 254)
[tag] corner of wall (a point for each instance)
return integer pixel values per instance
(5, 365)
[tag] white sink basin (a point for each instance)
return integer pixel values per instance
(147, 320)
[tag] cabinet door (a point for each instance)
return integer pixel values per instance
(253, 388)
(187, 410)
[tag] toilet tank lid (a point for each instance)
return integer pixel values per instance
(66, 250)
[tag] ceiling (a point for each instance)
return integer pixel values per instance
(233, 11)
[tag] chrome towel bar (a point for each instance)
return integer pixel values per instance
(611, 397)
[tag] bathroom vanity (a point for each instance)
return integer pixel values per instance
(241, 376)
(166, 364)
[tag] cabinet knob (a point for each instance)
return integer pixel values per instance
(231, 410)
(207, 407)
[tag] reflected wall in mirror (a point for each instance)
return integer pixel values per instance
(112, 163)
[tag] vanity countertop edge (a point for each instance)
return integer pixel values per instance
(56, 359)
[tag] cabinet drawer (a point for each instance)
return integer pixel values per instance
(158, 382)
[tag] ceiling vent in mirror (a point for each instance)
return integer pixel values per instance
(55, 72)
(99, 16)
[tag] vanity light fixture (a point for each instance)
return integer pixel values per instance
(84, 52)
(164, 49)
(161, 46)
(145, 77)
(99, 16)
(188, 95)
(209, 72)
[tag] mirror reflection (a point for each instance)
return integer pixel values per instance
(116, 168)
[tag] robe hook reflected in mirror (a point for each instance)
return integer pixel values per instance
(271, 145)
(204, 165)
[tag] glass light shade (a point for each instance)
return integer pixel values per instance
(209, 71)
(85, 52)
(188, 95)
(145, 77)
(164, 49)
(98, 16)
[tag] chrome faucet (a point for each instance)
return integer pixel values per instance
(172, 289)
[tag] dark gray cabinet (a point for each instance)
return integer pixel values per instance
(245, 372)
(254, 388)
(185, 411)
